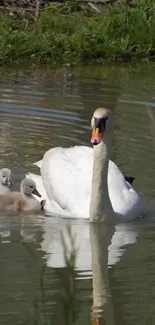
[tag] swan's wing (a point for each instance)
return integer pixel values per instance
(116, 180)
(67, 176)
(125, 201)
(38, 163)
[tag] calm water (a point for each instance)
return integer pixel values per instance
(41, 109)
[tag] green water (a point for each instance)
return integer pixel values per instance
(41, 109)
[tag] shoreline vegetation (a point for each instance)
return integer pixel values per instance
(73, 32)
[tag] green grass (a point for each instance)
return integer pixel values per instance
(66, 34)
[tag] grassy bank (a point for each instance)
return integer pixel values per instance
(65, 33)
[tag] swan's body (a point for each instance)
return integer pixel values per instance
(73, 192)
(21, 201)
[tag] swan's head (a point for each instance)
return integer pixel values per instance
(102, 123)
(28, 187)
(5, 177)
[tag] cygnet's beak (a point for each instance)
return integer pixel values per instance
(8, 182)
(36, 192)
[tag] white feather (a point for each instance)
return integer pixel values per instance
(67, 177)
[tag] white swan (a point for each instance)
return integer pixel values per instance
(73, 192)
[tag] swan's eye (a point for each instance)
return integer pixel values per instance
(100, 123)
(31, 186)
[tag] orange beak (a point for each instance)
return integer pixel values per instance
(97, 136)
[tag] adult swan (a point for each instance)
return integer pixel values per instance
(75, 179)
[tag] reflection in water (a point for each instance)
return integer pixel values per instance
(94, 246)
(100, 238)
(124, 234)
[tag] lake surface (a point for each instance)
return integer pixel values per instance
(41, 109)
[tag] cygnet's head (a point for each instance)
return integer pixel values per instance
(28, 187)
(102, 124)
(5, 177)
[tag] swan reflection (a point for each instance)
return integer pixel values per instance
(100, 238)
(123, 234)
(97, 246)
(50, 231)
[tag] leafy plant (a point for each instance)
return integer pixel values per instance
(68, 33)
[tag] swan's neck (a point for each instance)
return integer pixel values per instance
(100, 205)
